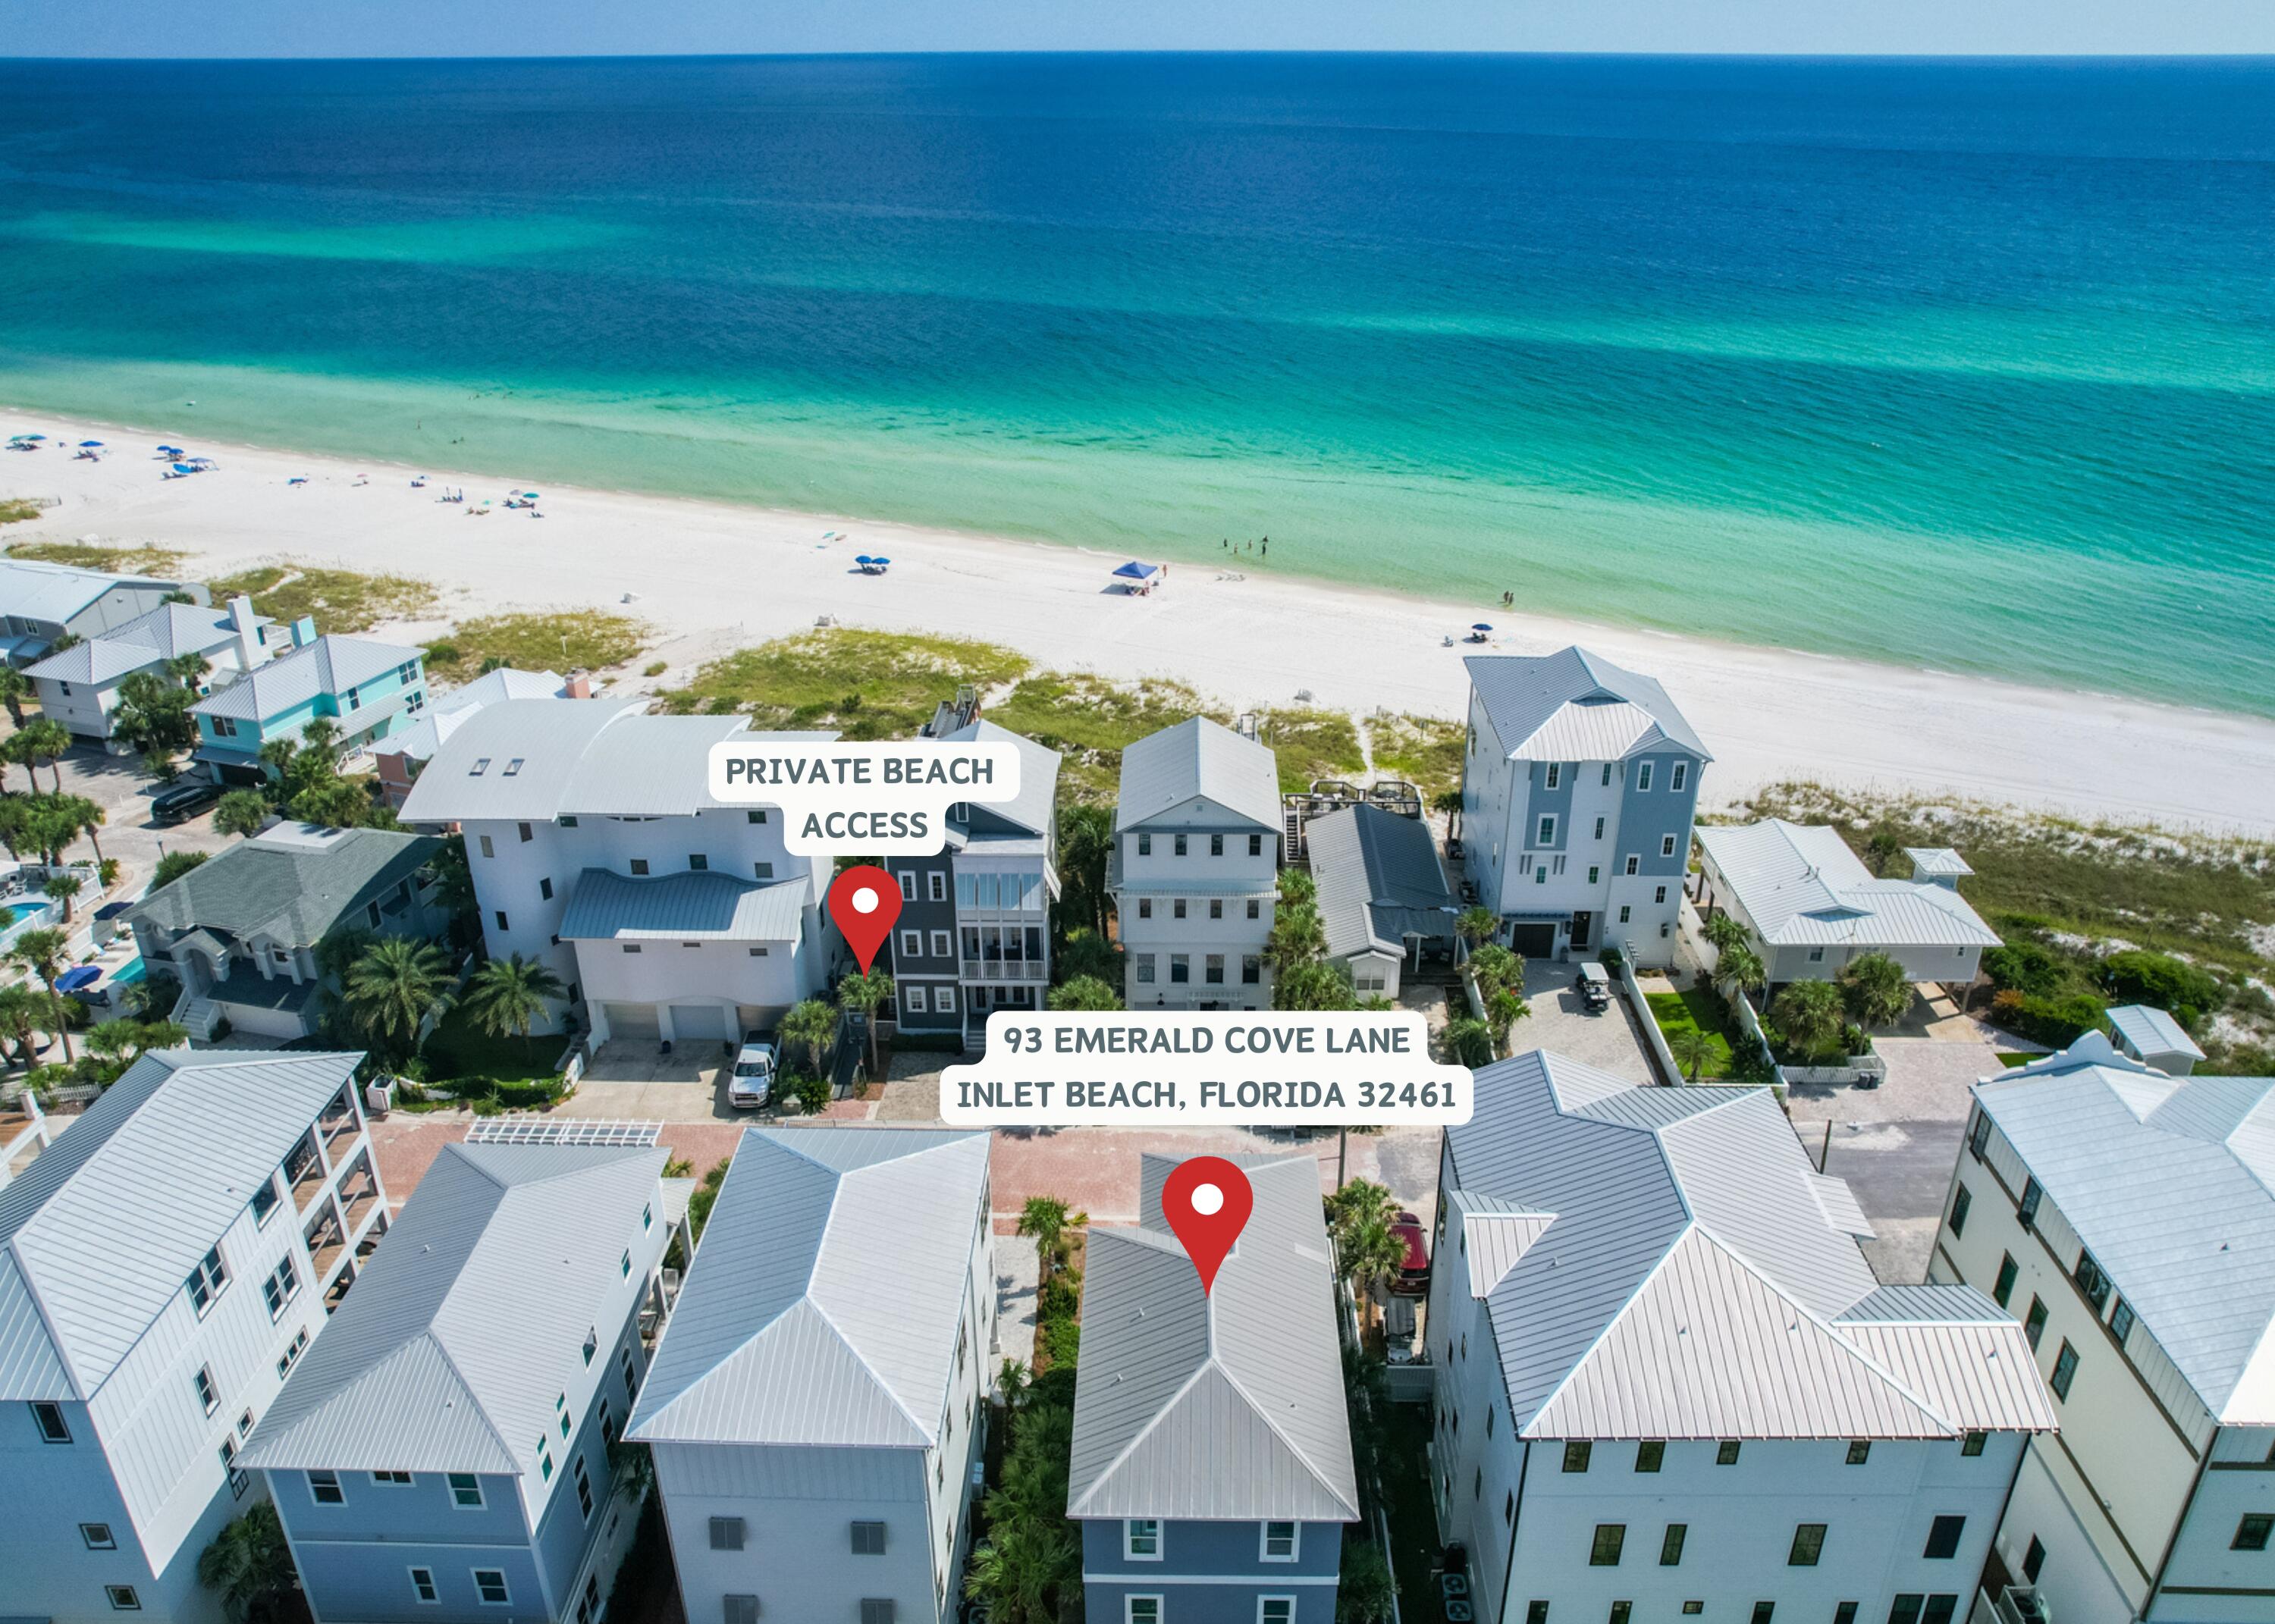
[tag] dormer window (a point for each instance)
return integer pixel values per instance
(513, 766)
(481, 764)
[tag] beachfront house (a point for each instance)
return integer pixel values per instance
(2154, 1038)
(1810, 905)
(79, 686)
(240, 930)
(1195, 868)
(817, 1404)
(1579, 781)
(403, 754)
(1384, 901)
(974, 931)
(41, 603)
(1211, 1471)
(367, 690)
(1668, 1384)
(442, 1453)
(2125, 1217)
(164, 1266)
(597, 851)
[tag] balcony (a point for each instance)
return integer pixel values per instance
(339, 1123)
(304, 1172)
(358, 1194)
(327, 1242)
(1005, 969)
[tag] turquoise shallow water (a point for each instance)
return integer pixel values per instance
(1970, 366)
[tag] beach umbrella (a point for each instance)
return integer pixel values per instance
(529, 496)
(881, 560)
(91, 442)
(862, 558)
(76, 977)
(31, 436)
(1137, 571)
(183, 468)
(170, 451)
(1480, 626)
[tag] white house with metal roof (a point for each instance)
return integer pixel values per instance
(366, 689)
(818, 1399)
(597, 850)
(1384, 901)
(1668, 1383)
(79, 686)
(2126, 1217)
(41, 602)
(164, 1266)
(1195, 868)
(403, 754)
(442, 1453)
(1579, 781)
(1211, 1470)
(1810, 905)
(2149, 1035)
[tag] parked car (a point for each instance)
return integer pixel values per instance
(183, 802)
(753, 1077)
(1595, 987)
(1414, 1274)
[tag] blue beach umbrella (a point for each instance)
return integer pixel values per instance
(1137, 571)
(862, 558)
(183, 468)
(881, 560)
(76, 977)
(91, 442)
(171, 450)
(1480, 626)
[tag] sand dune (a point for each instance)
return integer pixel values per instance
(713, 576)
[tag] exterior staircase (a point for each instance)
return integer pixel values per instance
(198, 1016)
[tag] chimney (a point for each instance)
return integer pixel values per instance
(579, 686)
(303, 632)
(251, 646)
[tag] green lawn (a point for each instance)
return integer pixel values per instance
(1413, 1521)
(2018, 1060)
(1695, 1010)
(457, 1051)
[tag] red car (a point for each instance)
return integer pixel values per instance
(1414, 1274)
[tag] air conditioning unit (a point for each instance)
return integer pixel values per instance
(2021, 1604)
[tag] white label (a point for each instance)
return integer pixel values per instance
(1266, 1069)
(887, 799)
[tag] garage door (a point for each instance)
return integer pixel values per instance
(693, 1023)
(633, 1021)
(1532, 941)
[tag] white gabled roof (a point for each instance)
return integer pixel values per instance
(825, 1301)
(1198, 758)
(1696, 1279)
(100, 1232)
(166, 631)
(38, 591)
(330, 665)
(1801, 886)
(1573, 705)
(446, 712)
(2149, 1030)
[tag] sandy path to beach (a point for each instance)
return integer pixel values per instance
(713, 576)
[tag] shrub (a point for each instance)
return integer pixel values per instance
(655, 668)
(1060, 1299)
(2141, 976)
(1061, 1339)
(813, 1093)
(2059, 1022)
(2025, 967)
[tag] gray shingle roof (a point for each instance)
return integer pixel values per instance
(1801, 886)
(1039, 775)
(704, 905)
(1197, 757)
(1223, 1405)
(824, 1304)
(1692, 1280)
(166, 631)
(2170, 1184)
(330, 665)
(55, 592)
(290, 884)
(1573, 705)
(471, 1317)
(1379, 878)
(106, 1224)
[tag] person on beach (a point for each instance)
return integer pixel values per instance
(1267, 547)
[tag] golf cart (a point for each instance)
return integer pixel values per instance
(1595, 987)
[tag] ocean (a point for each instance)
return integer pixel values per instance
(1962, 365)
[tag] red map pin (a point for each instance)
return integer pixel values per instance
(1206, 1202)
(865, 901)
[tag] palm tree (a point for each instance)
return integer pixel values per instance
(1740, 970)
(1808, 1013)
(1023, 1566)
(15, 688)
(250, 1564)
(1495, 966)
(1365, 1592)
(188, 669)
(1371, 1253)
(507, 996)
(240, 811)
(1692, 1049)
(1086, 843)
(1876, 989)
(89, 816)
(1724, 933)
(393, 987)
(1315, 986)
(319, 742)
(1297, 937)
(812, 1024)
(278, 754)
(1449, 802)
(1044, 1219)
(63, 886)
(43, 741)
(867, 993)
(1476, 925)
(1356, 1201)
(1883, 848)
(1085, 993)
(42, 952)
(1298, 888)
(22, 1013)
(1505, 1008)
(1470, 1042)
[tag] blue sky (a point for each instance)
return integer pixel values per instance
(570, 28)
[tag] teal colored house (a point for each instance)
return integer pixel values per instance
(370, 689)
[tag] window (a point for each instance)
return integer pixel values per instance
(2251, 1534)
(2092, 1282)
(943, 945)
(1623, 1612)
(623, 1268)
(1649, 1455)
(1554, 772)
(1635, 866)
(1860, 1450)
(938, 883)
(1546, 834)
(466, 1491)
(1216, 908)
(1575, 1454)
(99, 1537)
(1816, 955)
(876, 1609)
(699, 862)
(1177, 908)
(224, 727)
(631, 947)
(742, 1610)
(1281, 1541)
(1276, 1610)
(2005, 1288)
(282, 1286)
(639, 865)
(1845, 1614)
(2028, 1211)
(264, 1200)
(209, 1396)
(49, 1419)
(1670, 1545)
(1763, 1610)
(1141, 1539)
(291, 1356)
(1726, 1453)
(2033, 1560)
(1599, 822)
(1145, 964)
(2120, 1321)
(584, 1487)
(1145, 907)
(324, 1489)
(206, 1279)
(488, 848)
(1659, 895)
(1979, 1135)
(1943, 1538)
(1540, 875)
(632, 1374)
(1972, 1445)
(1960, 1203)
(1145, 845)
(238, 1482)
(1251, 968)
(908, 879)
(2034, 1324)
(1643, 775)
(1808, 1545)
(489, 1584)
(1665, 847)
(423, 1586)
(1141, 1610)
(122, 1598)
(1535, 1612)
(1678, 775)
(726, 1533)
(1213, 969)
(1181, 967)
(2065, 1371)
(1604, 1550)
(1624, 912)
(1181, 845)
(1216, 845)
(245, 1424)
(913, 943)
(919, 1000)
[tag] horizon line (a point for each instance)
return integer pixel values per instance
(1199, 50)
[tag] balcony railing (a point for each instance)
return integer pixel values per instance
(309, 1183)
(1005, 969)
(338, 1125)
(328, 1244)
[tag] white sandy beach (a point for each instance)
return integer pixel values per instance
(711, 577)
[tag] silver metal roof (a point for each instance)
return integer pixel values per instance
(55, 592)
(1039, 775)
(1379, 881)
(694, 905)
(104, 1227)
(1224, 1405)
(1801, 886)
(293, 883)
(1197, 757)
(2149, 1030)
(470, 1318)
(825, 1301)
(329, 665)
(2170, 1184)
(1692, 1281)
(1573, 705)
(166, 631)
(1937, 860)
(447, 711)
